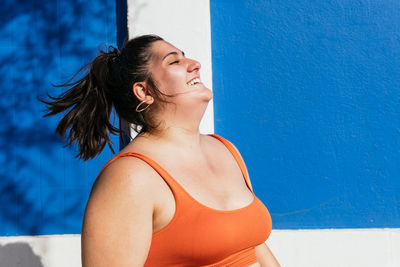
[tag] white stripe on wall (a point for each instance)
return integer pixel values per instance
(293, 248)
(186, 25)
(336, 247)
(40, 251)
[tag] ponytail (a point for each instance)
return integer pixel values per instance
(88, 102)
(88, 106)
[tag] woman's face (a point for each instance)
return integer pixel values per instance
(173, 73)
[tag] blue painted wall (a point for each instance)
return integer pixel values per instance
(309, 92)
(43, 188)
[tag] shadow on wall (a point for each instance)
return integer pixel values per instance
(43, 189)
(19, 254)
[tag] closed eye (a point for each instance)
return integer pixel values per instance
(173, 62)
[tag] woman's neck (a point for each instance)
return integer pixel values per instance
(179, 137)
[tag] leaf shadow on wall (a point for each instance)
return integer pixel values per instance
(19, 254)
(43, 43)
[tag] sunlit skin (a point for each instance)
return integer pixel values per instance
(171, 71)
(133, 198)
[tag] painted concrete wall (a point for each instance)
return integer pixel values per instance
(337, 247)
(43, 187)
(302, 248)
(309, 92)
(40, 251)
(186, 25)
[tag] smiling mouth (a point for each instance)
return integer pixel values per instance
(194, 81)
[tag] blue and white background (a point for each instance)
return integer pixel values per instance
(307, 91)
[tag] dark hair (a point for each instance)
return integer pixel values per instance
(108, 83)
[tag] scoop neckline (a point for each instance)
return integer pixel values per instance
(187, 193)
(210, 208)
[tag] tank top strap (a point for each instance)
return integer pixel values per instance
(160, 170)
(237, 157)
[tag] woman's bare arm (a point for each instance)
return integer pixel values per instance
(265, 256)
(117, 225)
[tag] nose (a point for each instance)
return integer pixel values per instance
(193, 65)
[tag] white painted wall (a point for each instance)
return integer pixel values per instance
(293, 248)
(186, 25)
(40, 251)
(337, 248)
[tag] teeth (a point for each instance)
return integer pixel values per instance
(194, 81)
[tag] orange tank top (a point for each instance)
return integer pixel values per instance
(199, 235)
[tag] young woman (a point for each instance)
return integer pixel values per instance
(172, 196)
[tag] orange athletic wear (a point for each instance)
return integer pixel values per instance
(199, 235)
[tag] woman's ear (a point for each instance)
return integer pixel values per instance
(142, 93)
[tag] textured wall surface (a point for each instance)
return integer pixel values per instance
(309, 92)
(43, 188)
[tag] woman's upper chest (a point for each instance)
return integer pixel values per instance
(213, 178)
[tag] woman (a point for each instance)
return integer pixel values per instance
(172, 196)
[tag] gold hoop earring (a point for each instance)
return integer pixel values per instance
(141, 103)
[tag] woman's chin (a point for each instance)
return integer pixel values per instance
(203, 91)
(208, 94)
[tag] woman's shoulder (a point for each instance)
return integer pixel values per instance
(120, 203)
(222, 140)
(233, 152)
(125, 173)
